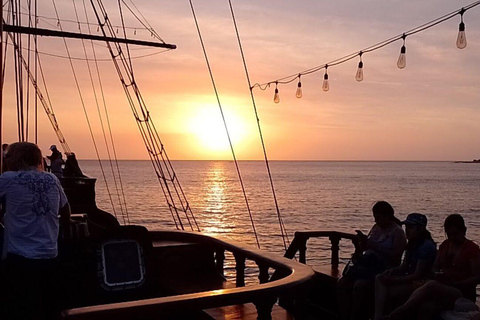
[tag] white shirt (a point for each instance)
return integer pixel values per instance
(33, 199)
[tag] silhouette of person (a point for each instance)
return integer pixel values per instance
(33, 199)
(56, 161)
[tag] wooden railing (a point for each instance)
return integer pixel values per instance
(299, 244)
(297, 276)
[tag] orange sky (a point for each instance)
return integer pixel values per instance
(427, 111)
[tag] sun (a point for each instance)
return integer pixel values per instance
(208, 127)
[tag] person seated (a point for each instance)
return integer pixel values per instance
(382, 249)
(457, 273)
(72, 169)
(397, 284)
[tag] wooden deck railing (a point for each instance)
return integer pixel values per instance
(299, 244)
(297, 276)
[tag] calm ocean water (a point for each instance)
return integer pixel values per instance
(311, 196)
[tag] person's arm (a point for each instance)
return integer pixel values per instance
(422, 268)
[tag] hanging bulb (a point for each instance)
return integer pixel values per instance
(402, 59)
(298, 94)
(461, 39)
(276, 97)
(325, 85)
(359, 74)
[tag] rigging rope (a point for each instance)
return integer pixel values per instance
(158, 156)
(124, 203)
(85, 112)
(283, 230)
(224, 122)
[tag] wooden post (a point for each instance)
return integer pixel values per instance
(219, 259)
(302, 248)
(240, 267)
(335, 241)
(263, 273)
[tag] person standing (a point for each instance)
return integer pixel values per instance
(34, 200)
(56, 161)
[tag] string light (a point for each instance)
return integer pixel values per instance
(325, 85)
(298, 94)
(461, 39)
(276, 96)
(402, 59)
(401, 62)
(359, 74)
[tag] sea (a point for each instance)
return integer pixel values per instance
(310, 195)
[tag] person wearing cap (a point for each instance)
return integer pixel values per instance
(457, 273)
(56, 161)
(397, 284)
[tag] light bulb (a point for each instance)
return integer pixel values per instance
(402, 59)
(359, 75)
(276, 97)
(298, 94)
(325, 85)
(461, 39)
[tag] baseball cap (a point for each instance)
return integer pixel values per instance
(416, 219)
(53, 147)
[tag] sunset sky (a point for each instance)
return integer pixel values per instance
(428, 111)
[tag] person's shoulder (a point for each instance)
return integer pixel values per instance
(444, 245)
(472, 246)
(428, 244)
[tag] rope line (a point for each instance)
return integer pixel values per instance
(121, 59)
(85, 113)
(224, 122)
(280, 220)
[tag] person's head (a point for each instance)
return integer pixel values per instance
(53, 147)
(455, 228)
(383, 214)
(24, 156)
(4, 146)
(416, 226)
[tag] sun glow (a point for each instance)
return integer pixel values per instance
(209, 129)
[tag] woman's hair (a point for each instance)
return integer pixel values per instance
(23, 156)
(455, 221)
(385, 209)
(425, 235)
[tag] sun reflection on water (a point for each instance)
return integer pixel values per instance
(215, 220)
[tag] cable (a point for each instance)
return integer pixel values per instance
(280, 220)
(377, 46)
(224, 122)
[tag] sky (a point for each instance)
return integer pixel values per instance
(427, 111)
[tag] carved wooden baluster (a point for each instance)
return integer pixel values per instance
(302, 248)
(240, 267)
(265, 305)
(263, 273)
(335, 242)
(219, 259)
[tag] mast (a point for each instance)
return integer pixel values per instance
(64, 34)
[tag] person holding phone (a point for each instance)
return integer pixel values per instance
(381, 249)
